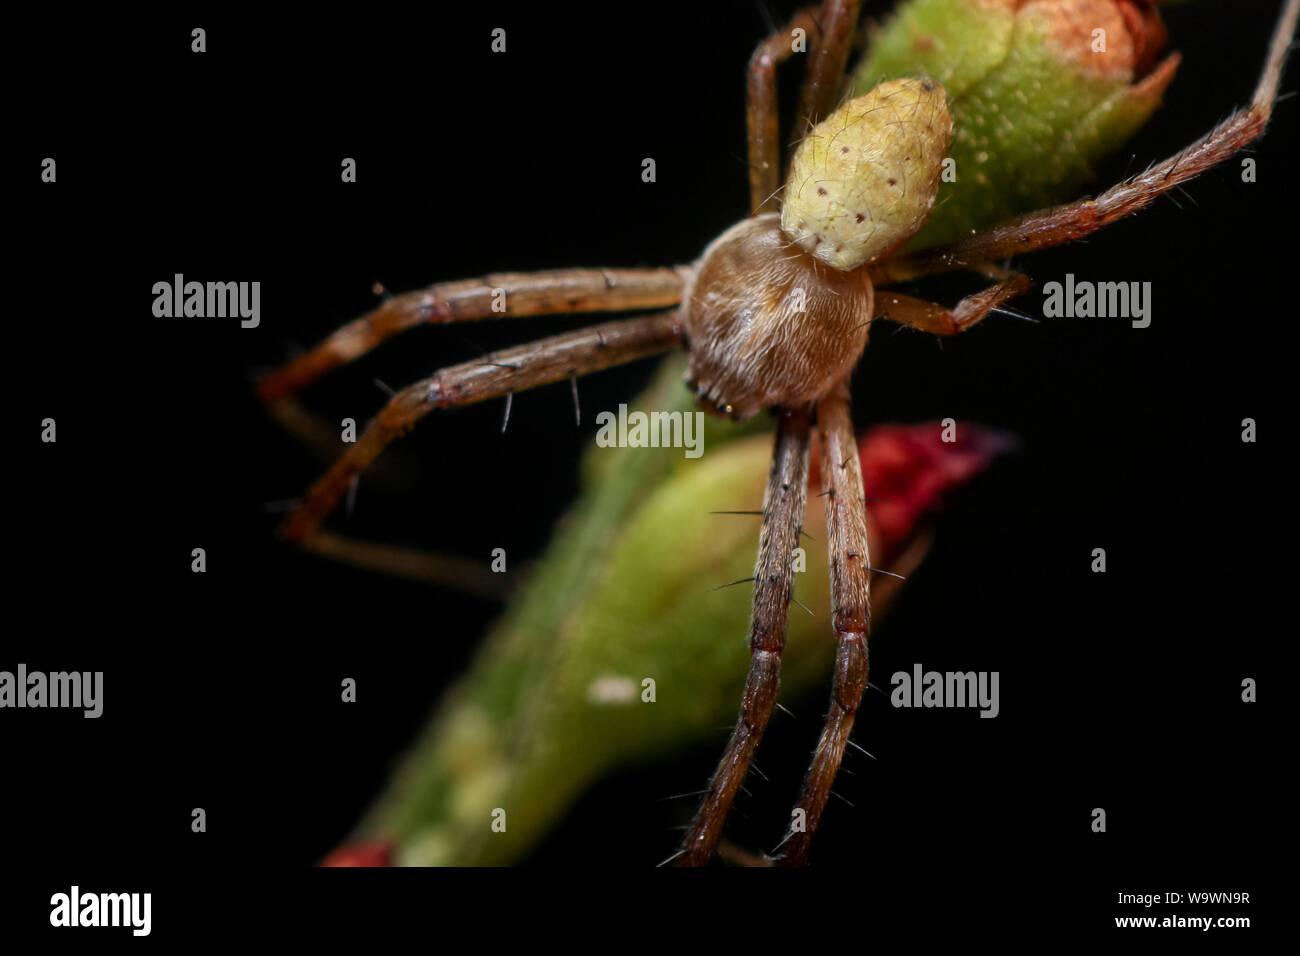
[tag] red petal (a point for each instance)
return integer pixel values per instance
(913, 470)
(361, 853)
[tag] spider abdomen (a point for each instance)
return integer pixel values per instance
(863, 180)
(768, 324)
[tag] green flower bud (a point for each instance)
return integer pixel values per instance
(1039, 92)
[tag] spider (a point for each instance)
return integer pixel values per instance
(774, 315)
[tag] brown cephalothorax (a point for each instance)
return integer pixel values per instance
(768, 324)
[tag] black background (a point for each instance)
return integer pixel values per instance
(1119, 690)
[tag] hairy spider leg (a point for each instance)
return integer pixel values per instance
(940, 320)
(761, 114)
(827, 62)
(547, 360)
(783, 509)
(850, 562)
(502, 295)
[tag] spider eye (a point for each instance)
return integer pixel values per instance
(863, 181)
